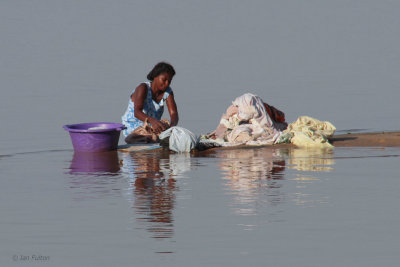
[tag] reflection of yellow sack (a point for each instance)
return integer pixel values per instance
(310, 132)
(308, 159)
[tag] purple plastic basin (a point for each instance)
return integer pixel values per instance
(95, 136)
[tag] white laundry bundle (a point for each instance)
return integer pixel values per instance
(247, 121)
(179, 139)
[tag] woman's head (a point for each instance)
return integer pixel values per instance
(160, 68)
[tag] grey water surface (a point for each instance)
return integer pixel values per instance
(256, 207)
(64, 62)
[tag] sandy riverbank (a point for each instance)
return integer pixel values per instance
(382, 139)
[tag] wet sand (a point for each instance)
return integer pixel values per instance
(382, 139)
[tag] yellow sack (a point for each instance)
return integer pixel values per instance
(310, 132)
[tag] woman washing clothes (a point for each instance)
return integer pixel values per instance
(146, 106)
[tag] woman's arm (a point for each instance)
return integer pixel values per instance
(173, 110)
(138, 97)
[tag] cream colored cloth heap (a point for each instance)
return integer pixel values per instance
(247, 122)
(309, 132)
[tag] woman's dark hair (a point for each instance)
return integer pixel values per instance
(161, 68)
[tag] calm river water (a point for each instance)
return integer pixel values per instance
(76, 61)
(256, 207)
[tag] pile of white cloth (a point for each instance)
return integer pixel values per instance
(246, 121)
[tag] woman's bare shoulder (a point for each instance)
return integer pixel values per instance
(142, 86)
(140, 92)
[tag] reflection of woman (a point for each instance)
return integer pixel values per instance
(155, 187)
(154, 192)
(157, 196)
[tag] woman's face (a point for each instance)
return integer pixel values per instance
(162, 81)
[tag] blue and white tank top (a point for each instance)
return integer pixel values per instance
(150, 108)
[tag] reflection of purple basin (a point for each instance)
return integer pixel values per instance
(101, 162)
(94, 137)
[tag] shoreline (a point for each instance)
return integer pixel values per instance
(377, 139)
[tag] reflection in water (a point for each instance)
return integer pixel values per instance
(309, 160)
(153, 179)
(251, 173)
(94, 174)
(101, 163)
(254, 176)
(306, 159)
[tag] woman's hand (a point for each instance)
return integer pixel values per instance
(158, 126)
